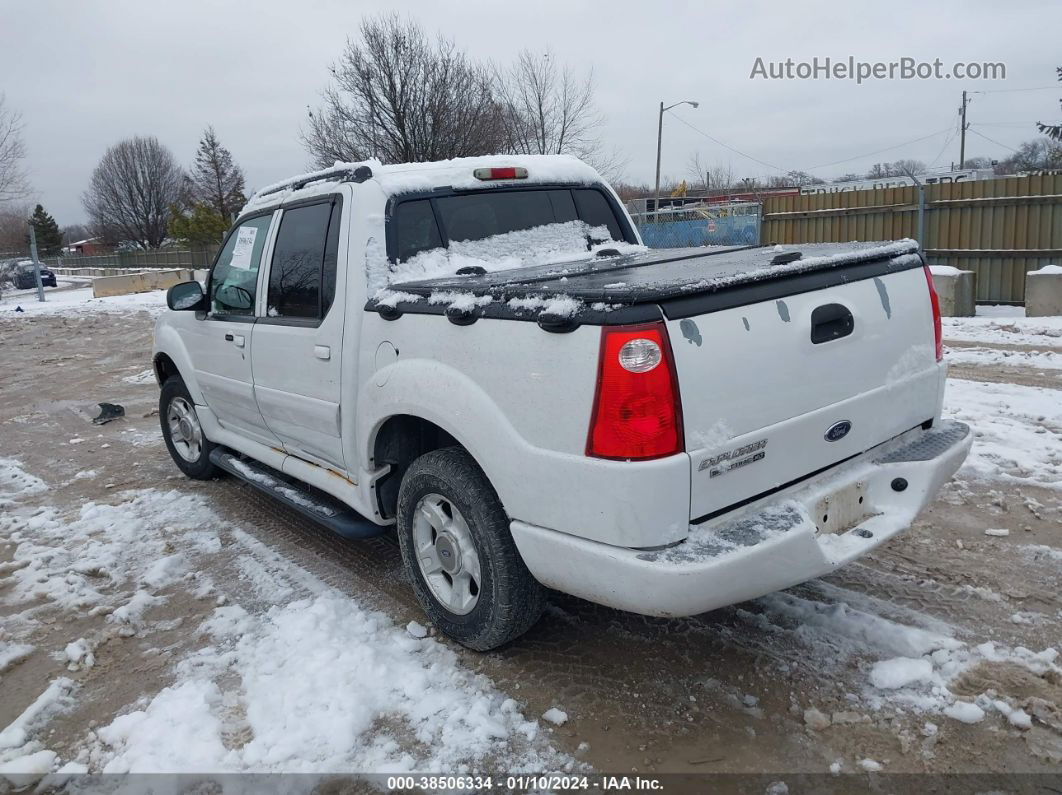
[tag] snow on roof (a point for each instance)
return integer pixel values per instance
(458, 173)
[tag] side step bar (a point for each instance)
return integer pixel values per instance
(320, 508)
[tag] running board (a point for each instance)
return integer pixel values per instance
(325, 510)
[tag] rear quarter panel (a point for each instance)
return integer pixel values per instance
(519, 399)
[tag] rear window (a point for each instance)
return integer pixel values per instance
(425, 224)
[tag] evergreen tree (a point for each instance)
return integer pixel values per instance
(200, 225)
(49, 238)
(1052, 131)
(215, 179)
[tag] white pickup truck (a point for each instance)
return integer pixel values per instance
(480, 356)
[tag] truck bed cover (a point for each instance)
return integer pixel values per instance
(680, 282)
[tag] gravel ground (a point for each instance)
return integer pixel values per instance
(197, 591)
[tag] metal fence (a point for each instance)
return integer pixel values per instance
(701, 225)
(163, 258)
(998, 228)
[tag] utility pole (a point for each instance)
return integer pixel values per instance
(659, 142)
(962, 136)
(36, 262)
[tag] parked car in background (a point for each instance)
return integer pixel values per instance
(25, 279)
(481, 354)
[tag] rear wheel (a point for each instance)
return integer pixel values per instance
(459, 553)
(188, 446)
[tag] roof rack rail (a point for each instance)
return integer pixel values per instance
(338, 174)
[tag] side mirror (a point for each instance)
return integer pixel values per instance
(185, 297)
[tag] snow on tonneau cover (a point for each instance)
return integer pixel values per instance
(789, 359)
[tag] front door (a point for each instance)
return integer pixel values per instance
(297, 339)
(220, 344)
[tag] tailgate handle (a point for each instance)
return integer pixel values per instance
(831, 322)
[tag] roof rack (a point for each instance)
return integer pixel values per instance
(343, 173)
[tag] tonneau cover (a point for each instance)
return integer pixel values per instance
(672, 278)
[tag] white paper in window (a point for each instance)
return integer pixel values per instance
(241, 252)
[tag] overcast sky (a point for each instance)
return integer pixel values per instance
(86, 74)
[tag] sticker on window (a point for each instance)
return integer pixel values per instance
(241, 252)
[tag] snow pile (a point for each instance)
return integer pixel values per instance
(143, 377)
(911, 660)
(105, 557)
(1003, 357)
(1004, 324)
(16, 483)
(458, 172)
(1017, 431)
(463, 302)
(297, 678)
(541, 245)
(321, 686)
(81, 301)
(900, 672)
(944, 270)
(23, 759)
(560, 305)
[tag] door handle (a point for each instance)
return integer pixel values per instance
(236, 339)
(831, 322)
(322, 352)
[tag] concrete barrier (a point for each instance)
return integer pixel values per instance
(1043, 292)
(956, 290)
(141, 282)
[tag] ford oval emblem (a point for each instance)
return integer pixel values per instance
(838, 431)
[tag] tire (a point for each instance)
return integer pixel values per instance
(449, 486)
(189, 448)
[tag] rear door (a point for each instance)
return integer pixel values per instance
(220, 345)
(299, 335)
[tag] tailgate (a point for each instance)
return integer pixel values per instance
(775, 390)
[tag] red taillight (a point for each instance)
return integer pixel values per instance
(637, 411)
(511, 172)
(938, 336)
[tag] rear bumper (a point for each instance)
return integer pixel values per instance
(774, 543)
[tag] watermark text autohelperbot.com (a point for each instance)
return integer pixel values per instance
(860, 71)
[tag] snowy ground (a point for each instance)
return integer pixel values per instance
(70, 298)
(155, 624)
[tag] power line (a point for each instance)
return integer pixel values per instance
(1011, 90)
(992, 140)
(947, 143)
(879, 151)
(727, 146)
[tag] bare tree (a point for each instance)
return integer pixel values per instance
(215, 179)
(131, 191)
(546, 109)
(13, 184)
(13, 229)
(401, 97)
(74, 233)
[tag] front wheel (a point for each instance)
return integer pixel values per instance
(188, 446)
(459, 554)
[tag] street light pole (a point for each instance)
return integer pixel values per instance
(659, 143)
(36, 262)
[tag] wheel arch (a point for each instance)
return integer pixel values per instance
(398, 441)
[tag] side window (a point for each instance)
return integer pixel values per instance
(595, 210)
(415, 229)
(296, 274)
(234, 279)
(331, 259)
